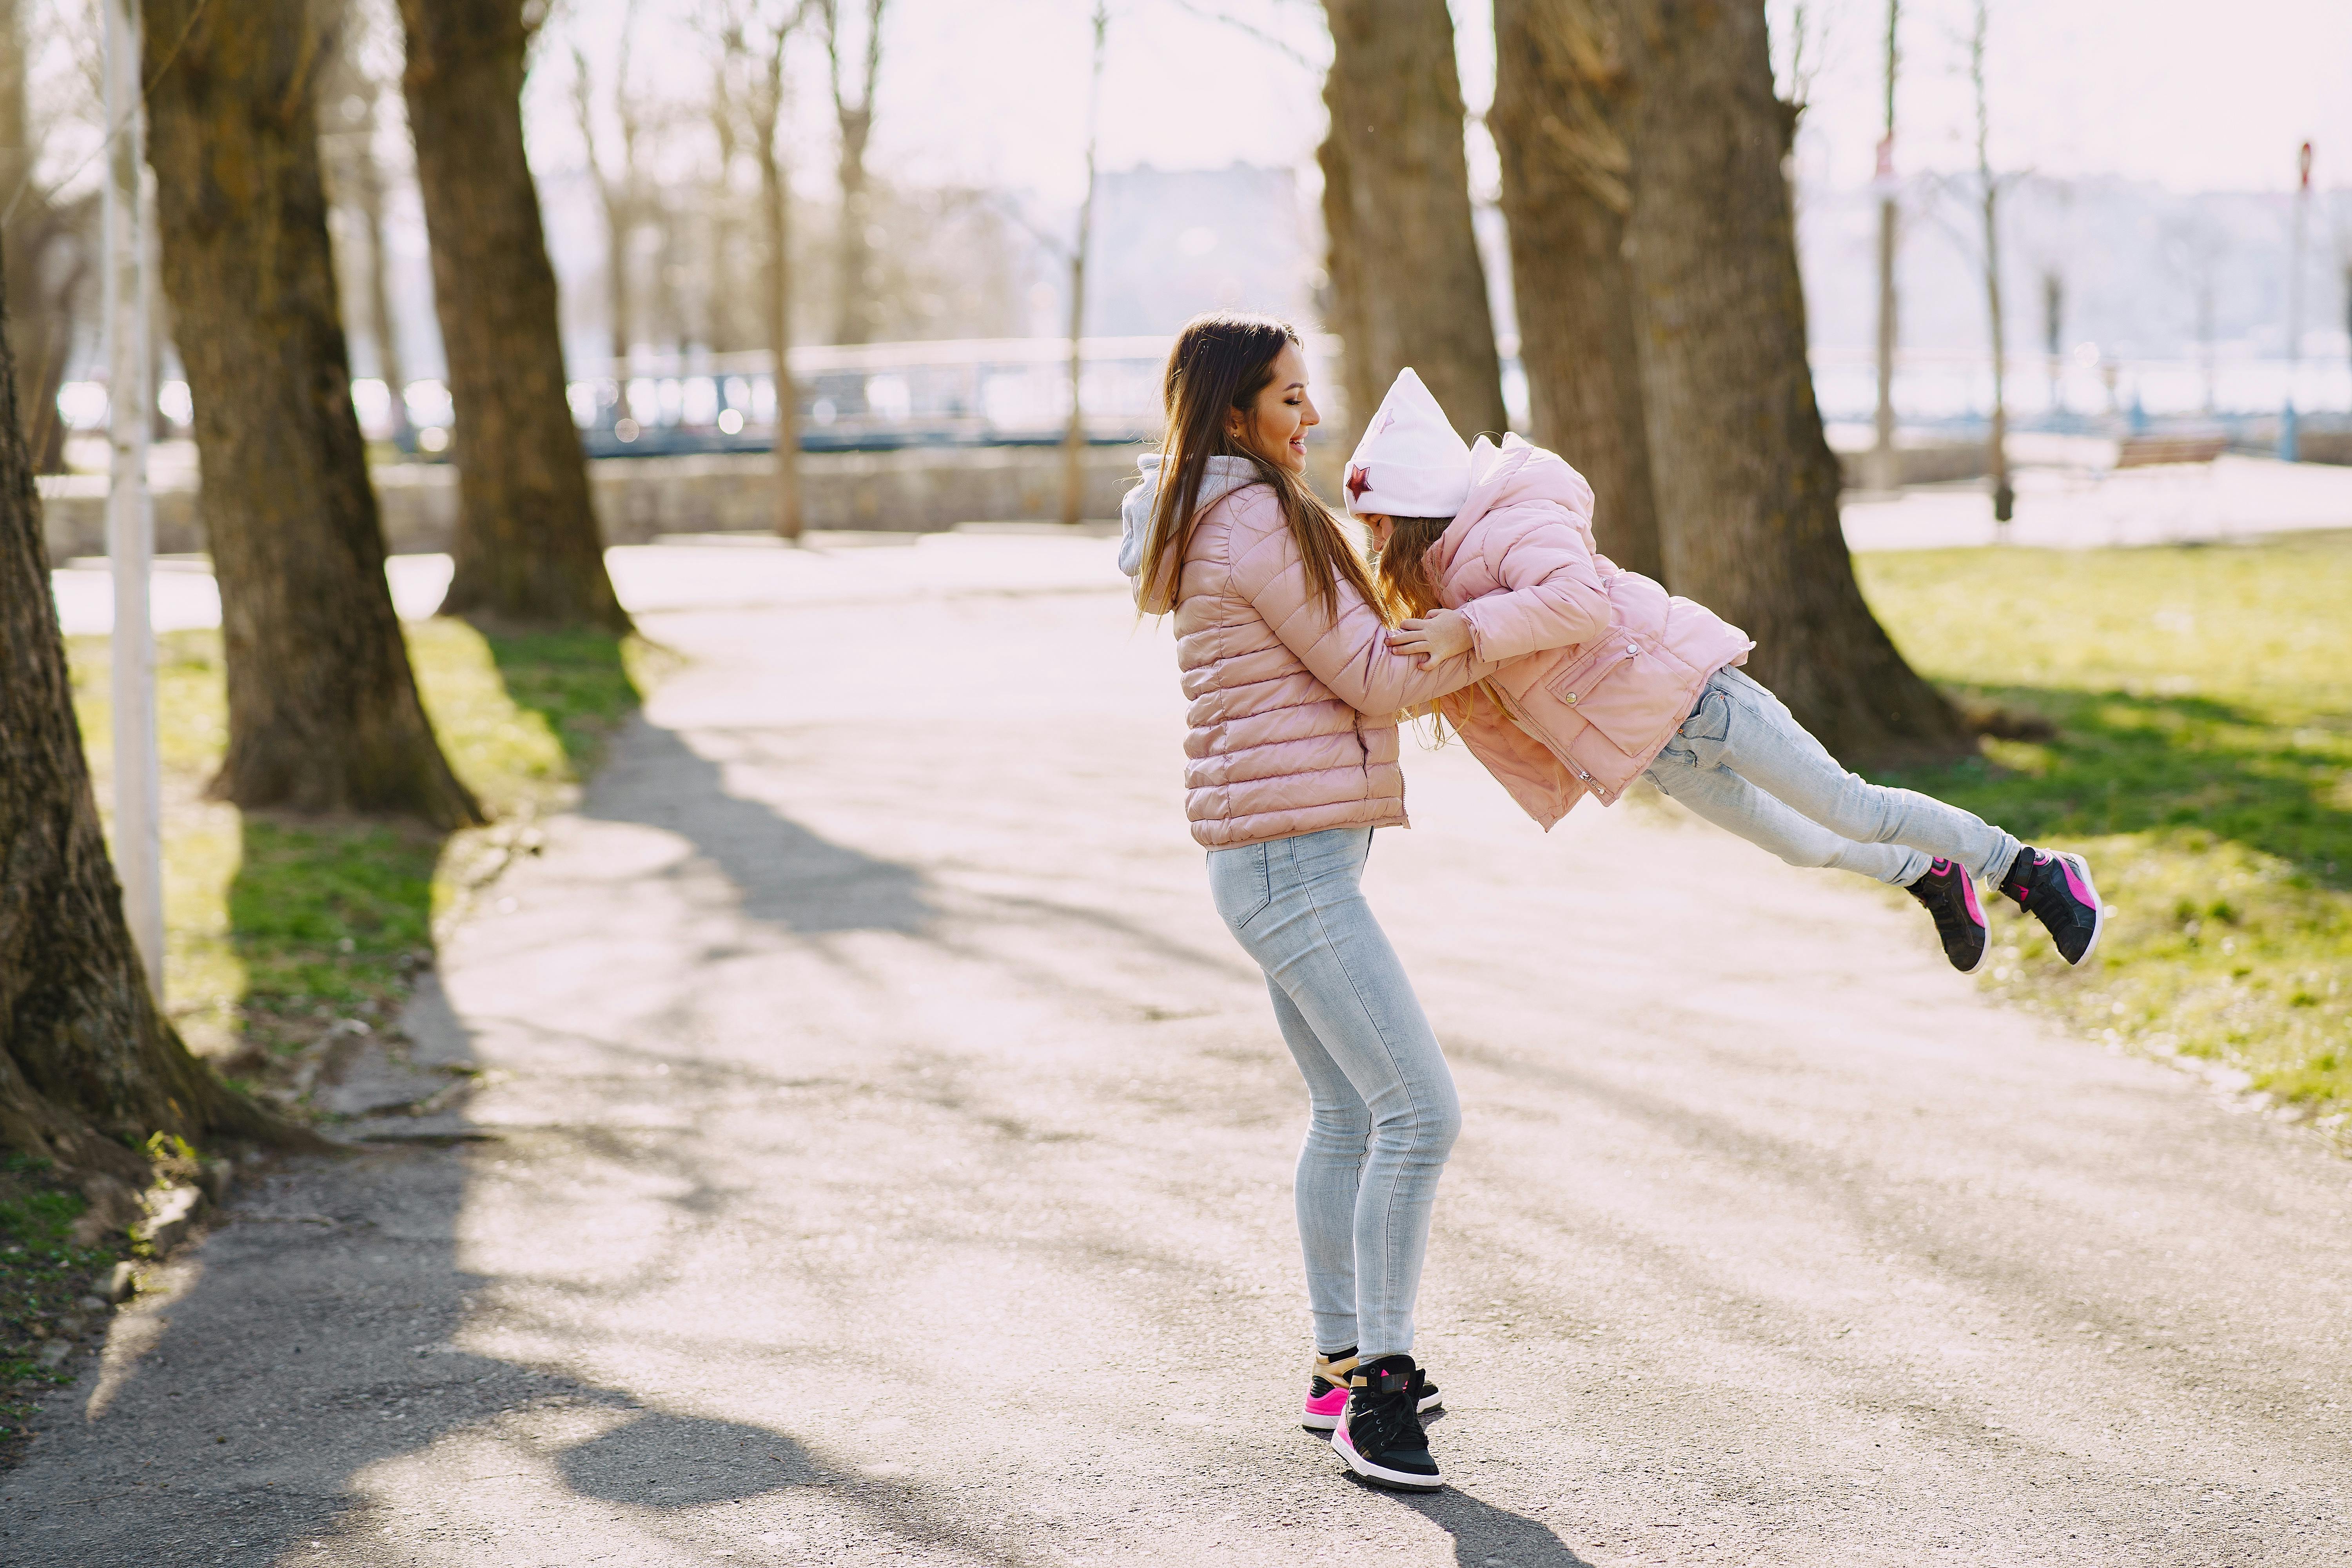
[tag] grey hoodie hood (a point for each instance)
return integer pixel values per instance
(1222, 477)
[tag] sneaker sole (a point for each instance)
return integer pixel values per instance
(1396, 1480)
(2098, 904)
(1984, 926)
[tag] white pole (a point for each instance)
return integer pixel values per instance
(129, 512)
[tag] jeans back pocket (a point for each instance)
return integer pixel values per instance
(1240, 884)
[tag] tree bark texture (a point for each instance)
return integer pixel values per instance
(1560, 91)
(44, 252)
(1344, 285)
(528, 551)
(1746, 485)
(88, 1067)
(322, 709)
(1420, 293)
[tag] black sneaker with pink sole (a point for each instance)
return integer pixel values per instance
(1950, 895)
(1327, 1391)
(2055, 888)
(1378, 1436)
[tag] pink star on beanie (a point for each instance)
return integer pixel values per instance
(1410, 462)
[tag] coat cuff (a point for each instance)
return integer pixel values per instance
(1478, 633)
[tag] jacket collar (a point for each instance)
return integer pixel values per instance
(1495, 480)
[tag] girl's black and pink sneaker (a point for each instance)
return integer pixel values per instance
(2057, 889)
(1327, 1391)
(1950, 895)
(1378, 1436)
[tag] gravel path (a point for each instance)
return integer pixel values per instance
(881, 1154)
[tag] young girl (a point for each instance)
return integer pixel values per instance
(1291, 762)
(1604, 676)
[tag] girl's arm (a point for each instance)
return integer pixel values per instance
(1349, 652)
(1551, 595)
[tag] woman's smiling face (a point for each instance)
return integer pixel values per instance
(1274, 426)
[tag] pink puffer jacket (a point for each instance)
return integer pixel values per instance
(1599, 666)
(1294, 713)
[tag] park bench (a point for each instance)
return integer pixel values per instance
(2156, 451)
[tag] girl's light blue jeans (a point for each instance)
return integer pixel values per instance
(1382, 1111)
(1743, 762)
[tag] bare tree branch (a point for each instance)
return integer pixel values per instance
(1241, 25)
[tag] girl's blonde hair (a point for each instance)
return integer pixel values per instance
(1406, 590)
(1220, 364)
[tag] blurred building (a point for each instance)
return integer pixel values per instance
(2169, 300)
(1170, 243)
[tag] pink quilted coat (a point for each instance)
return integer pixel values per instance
(1599, 666)
(1293, 724)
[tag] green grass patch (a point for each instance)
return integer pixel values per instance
(45, 1277)
(2200, 701)
(282, 929)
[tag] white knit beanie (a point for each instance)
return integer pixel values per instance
(1410, 462)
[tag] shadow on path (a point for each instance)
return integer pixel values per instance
(788, 876)
(308, 1387)
(1486, 1536)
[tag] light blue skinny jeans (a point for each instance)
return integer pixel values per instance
(1382, 1111)
(1743, 762)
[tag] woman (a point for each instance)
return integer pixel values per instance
(1292, 762)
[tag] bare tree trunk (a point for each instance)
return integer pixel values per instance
(1559, 104)
(355, 184)
(42, 335)
(750, 92)
(1396, 110)
(323, 710)
(88, 1067)
(384, 326)
(528, 549)
(666, 328)
(616, 194)
(1747, 485)
(855, 322)
(1074, 435)
(2054, 307)
(854, 249)
(2004, 497)
(2344, 271)
(41, 332)
(776, 196)
(17, 149)
(1345, 311)
(2206, 369)
(1885, 468)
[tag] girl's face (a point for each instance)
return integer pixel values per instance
(1380, 526)
(1274, 426)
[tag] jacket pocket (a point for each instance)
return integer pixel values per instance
(1630, 694)
(1585, 666)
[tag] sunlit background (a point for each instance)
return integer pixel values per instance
(2149, 152)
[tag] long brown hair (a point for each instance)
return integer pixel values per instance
(1406, 590)
(1220, 363)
